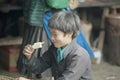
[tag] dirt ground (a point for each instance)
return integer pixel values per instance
(103, 71)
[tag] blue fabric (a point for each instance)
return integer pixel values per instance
(80, 38)
(82, 41)
(45, 20)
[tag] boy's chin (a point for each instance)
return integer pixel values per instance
(57, 46)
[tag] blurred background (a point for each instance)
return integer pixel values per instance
(100, 20)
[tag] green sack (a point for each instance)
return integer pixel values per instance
(57, 4)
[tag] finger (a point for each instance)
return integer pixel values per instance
(28, 51)
(28, 48)
(27, 54)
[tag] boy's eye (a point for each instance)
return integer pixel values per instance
(54, 35)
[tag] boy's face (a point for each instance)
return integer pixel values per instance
(59, 38)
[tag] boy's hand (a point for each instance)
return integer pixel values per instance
(28, 51)
(73, 4)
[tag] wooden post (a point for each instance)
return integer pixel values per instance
(102, 32)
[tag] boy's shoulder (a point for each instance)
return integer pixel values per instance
(74, 46)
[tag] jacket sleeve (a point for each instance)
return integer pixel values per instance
(77, 66)
(38, 65)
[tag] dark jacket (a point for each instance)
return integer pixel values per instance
(76, 64)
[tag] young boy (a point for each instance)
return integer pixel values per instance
(67, 59)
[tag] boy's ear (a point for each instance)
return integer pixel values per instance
(70, 34)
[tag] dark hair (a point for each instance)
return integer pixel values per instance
(65, 22)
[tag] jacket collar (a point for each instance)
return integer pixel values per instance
(71, 47)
